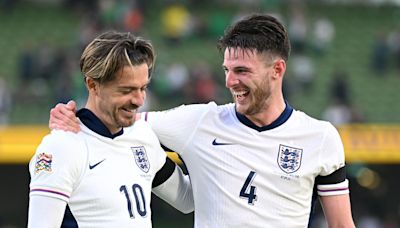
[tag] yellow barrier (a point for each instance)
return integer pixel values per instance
(371, 143)
(18, 143)
(367, 143)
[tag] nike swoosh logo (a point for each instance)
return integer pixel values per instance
(215, 143)
(98, 163)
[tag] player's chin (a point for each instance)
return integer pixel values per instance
(127, 122)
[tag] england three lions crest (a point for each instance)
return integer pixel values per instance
(289, 158)
(141, 159)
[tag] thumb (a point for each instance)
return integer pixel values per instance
(71, 105)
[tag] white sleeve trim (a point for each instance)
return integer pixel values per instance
(333, 189)
(42, 191)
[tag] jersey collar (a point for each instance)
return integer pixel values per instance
(281, 119)
(90, 120)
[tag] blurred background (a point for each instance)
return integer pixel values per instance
(344, 67)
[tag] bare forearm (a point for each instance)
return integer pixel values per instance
(337, 211)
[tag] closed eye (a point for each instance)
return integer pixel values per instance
(125, 91)
(241, 70)
(144, 88)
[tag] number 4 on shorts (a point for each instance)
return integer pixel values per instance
(249, 191)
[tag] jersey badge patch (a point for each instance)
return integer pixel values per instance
(43, 162)
(289, 158)
(141, 159)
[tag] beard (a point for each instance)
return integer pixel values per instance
(124, 122)
(116, 118)
(257, 98)
(121, 120)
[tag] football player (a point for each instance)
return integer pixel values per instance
(107, 171)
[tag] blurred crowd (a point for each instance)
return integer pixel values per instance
(48, 71)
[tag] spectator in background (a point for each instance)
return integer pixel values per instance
(323, 35)
(339, 89)
(109, 11)
(176, 23)
(341, 109)
(177, 75)
(89, 27)
(63, 85)
(394, 46)
(36, 67)
(133, 18)
(298, 27)
(380, 54)
(26, 70)
(46, 67)
(303, 70)
(5, 102)
(204, 87)
(338, 113)
(26, 64)
(45, 56)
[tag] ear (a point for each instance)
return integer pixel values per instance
(91, 85)
(279, 68)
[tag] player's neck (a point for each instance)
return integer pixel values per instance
(269, 113)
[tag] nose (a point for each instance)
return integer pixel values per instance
(230, 79)
(138, 98)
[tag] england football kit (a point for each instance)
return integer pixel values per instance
(248, 176)
(105, 179)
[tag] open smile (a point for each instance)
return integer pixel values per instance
(240, 95)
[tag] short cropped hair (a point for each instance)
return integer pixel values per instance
(260, 32)
(110, 51)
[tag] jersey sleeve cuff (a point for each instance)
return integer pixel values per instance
(333, 189)
(50, 193)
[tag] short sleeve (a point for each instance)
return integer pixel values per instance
(57, 165)
(332, 156)
(332, 178)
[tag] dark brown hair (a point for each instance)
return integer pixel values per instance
(263, 33)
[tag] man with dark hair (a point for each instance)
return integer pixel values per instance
(256, 162)
(107, 171)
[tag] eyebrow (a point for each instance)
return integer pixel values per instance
(132, 87)
(237, 67)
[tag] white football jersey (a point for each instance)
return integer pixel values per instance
(248, 176)
(106, 181)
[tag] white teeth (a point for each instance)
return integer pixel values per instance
(239, 93)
